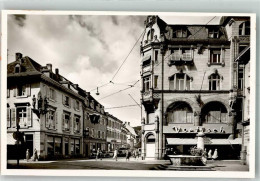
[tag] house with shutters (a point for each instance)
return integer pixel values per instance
(95, 126)
(46, 107)
(193, 81)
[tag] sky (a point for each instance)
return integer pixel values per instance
(88, 50)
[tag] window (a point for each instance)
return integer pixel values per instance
(156, 56)
(66, 121)
(22, 116)
(150, 35)
(181, 54)
(99, 135)
(213, 33)
(186, 54)
(180, 33)
(215, 56)
(92, 132)
(21, 90)
(8, 93)
(214, 112)
(66, 100)
(147, 84)
(180, 81)
(244, 28)
(76, 105)
(76, 123)
(214, 82)
(50, 121)
(175, 54)
(180, 112)
(52, 94)
(240, 78)
(17, 68)
(103, 135)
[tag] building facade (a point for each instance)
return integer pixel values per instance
(190, 84)
(46, 107)
(115, 135)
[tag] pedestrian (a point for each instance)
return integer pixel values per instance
(115, 154)
(134, 154)
(98, 156)
(27, 155)
(35, 155)
(210, 154)
(128, 154)
(215, 154)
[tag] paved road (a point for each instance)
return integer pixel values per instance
(107, 164)
(121, 164)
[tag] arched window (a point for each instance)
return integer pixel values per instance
(214, 112)
(150, 138)
(214, 82)
(179, 81)
(180, 112)
(244, 28)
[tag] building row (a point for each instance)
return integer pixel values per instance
(196, 78)
(55, 116)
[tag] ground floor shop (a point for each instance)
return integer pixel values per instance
(48, 145)
(91, 146)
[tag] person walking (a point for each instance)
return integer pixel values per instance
(210, 154)
(115, 154)
(128, 154)
(215, 154)
(27, 155)
(98, 156)
(35, 155)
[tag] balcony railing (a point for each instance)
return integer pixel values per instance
(147, 69)
(185, 58)
(244, 38)
(147, 95)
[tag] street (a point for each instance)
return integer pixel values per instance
(121, 164)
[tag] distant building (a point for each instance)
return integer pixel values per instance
(131, 136)
(192, 83)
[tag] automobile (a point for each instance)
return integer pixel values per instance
(108, 154)
(122, 151)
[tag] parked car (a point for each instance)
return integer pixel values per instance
(122, 151)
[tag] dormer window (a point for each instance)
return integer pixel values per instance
(17, 68)
(180, 33)
(213, 33)
(244, 28)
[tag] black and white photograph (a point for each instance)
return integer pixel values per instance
(164, 94)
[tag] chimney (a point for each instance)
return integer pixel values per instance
(57, 71)
(128, 123)
(18, 56)
(49, 66)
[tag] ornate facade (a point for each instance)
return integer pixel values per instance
(191, 83)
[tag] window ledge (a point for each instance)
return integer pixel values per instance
(221, 64)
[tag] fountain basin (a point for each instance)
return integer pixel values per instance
(184, 160)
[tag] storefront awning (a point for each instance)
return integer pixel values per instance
(189, 141)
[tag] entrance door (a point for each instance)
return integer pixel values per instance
(29, 144)
(86, 150)
(150, 146)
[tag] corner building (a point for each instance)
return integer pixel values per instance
(190, 84)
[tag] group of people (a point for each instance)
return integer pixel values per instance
(135, 153)
(34, 157)
(214, 156)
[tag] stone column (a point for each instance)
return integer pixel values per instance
(196, 118)
(200, 143)
(156, 130)
(232, 123)
(143, 140)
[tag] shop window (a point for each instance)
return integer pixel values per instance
(57, 146)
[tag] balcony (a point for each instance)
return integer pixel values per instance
(181, 59)
(147, 95)
(146, 69)
(244, 38)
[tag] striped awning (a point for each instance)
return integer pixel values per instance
(189, 141)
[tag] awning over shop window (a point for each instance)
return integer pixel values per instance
(189, 141)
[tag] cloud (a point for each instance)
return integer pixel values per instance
(87, 50)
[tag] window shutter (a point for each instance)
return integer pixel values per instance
(28, 90)
(47, 124)
(47, 92)
(29, 116)
(8, 118)
(15, 91)
(63, 120)
(80, 129)
(74, 123)
(74, 104)
(70, 124)
(63, 99)
(56, 120)
(13, 117)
